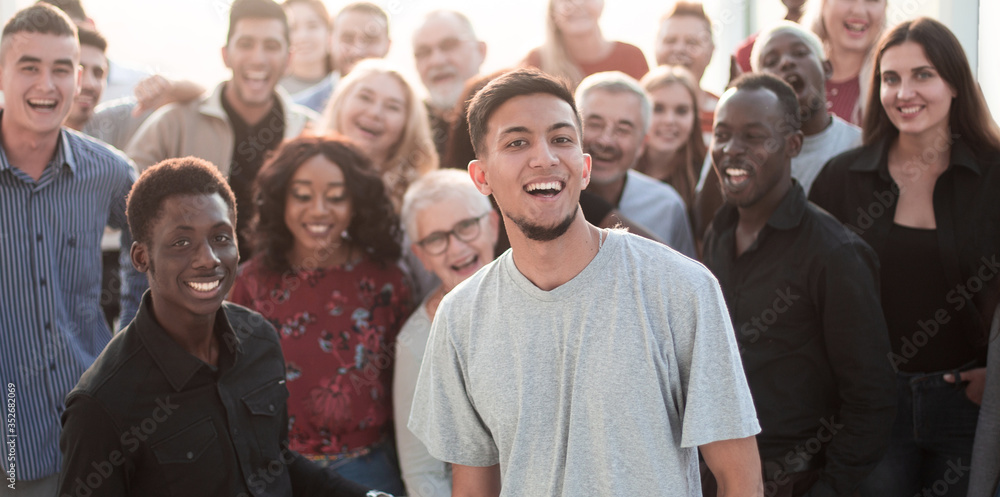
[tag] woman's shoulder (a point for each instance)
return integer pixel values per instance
(533, 58)
(630, 59)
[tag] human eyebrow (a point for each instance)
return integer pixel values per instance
(64, 62)
(560, 125)
(514, 130)
(28, 59)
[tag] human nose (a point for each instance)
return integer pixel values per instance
(905, 90)
(205, 256)
(543, 156)
(319, 206)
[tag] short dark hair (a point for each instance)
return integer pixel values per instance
(255, 9)
(786, 95)
(171, 177)
(512, 84)
(374, 225)
(72, 8)
(40, 18)
(92, 38)
(969, 117)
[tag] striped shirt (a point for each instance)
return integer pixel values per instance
(51, 322)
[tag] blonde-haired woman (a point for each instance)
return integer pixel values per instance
(849, 30)
(575, 48)
(376, 108)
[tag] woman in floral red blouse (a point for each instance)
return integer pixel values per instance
(325, 275)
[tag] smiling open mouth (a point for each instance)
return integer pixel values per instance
(544, 189)
(464, 265)
(206, 287)
(41, 104)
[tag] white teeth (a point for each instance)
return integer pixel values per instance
(550, 185)
(910, 110)
(318, 229)
(42, 103)
(462, 264)
(856, 27)
(256, 74)
(736, 172)
(204, 287)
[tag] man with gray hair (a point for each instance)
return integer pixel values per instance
(447, 53)
(616, 113)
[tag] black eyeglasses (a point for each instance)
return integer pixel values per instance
(466, 230)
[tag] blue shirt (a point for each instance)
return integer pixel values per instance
(51, 322)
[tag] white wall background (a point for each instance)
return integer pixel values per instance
(183, 38)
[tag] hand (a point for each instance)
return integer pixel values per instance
(151, 93)
(977, 383)
(156, 91)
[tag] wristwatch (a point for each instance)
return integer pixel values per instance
(378, 493)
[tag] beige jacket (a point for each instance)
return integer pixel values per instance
(201, 128)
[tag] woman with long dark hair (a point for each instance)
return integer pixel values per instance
(924, 192)
(325, 276)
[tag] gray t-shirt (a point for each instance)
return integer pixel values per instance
(603, 386)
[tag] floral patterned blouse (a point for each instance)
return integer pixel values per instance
(338, 329)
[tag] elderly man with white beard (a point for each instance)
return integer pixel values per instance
(447, 53)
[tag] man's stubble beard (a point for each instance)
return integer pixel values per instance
(544, 233)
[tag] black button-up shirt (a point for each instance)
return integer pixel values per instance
(251, 145)
(804, 302)
(150, 419)
(857, 189)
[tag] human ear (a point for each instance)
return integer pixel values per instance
(478, 175)
(139, 256)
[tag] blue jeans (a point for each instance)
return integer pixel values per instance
(930, 449)
(378, 470)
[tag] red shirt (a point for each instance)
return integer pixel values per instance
(338, 327)
(841, 97)
(623, 57)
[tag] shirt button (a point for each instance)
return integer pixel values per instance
(71, 242)
(190, 455)
(48, 326)
(39, 237)
(271, 407)
(52, 366)
(236, 432)
(42, 281)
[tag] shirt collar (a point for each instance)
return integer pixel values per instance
(177, 365)
(62, 158)
(878, 160)
(786, 216)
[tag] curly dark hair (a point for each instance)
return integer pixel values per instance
(374, 225)
(184, 176)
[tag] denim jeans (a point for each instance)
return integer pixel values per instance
(378, 470)
(930, 449)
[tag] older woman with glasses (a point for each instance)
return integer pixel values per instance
(456, 228)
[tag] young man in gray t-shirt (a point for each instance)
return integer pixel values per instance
(581, 362)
